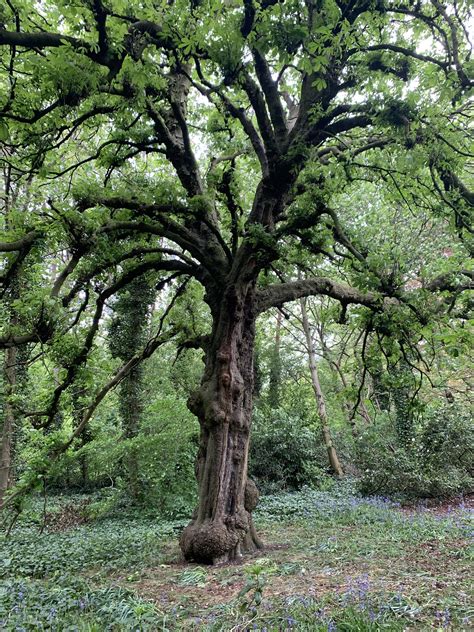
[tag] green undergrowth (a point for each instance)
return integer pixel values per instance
(334, 561)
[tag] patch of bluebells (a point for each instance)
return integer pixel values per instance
(459, 521)
(344, 503)
(310, 503)
(443, 618)
(359, 597)
(357, 593)
(56, 605)
(308, 611)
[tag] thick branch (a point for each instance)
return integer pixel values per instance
(450, 282)
(270, 90)
(19, 244)
(277, 295)
(44, 39)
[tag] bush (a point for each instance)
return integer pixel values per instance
(437, 463)
(165, 450)
(285, 453)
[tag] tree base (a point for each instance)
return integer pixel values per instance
(223, 540)
(215, 543)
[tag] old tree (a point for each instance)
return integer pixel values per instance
(224, 144)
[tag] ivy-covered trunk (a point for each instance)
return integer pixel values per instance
(402, 396)
(131, 409)
(222, 526)
(8, 426)
(127, 336)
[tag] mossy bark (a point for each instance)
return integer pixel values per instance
(131, 410)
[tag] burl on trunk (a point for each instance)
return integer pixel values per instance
(222, 526)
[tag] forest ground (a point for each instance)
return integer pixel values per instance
(334, 561)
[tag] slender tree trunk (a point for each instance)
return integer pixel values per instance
(402, 389)
(318, 393)
(335, 366)
(222, 526)
(10, 359)
(336, 369)
(8, 429)
(381, 395)
(275, 367)
(77, 411)
(364, 412)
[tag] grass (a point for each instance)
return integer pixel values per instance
(335, 561)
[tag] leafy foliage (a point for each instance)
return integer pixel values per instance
(172, 171)
(437, 463)
(285, 451)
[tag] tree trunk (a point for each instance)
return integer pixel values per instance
(337, 371)
(131, 408)
(275, 368)
(9, 375)
(364, 413)
(77, 412)
(318, 393)
(402, 391)
(127, 334)
(222, 526)
(381, 396)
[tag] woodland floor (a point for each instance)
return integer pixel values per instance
(334, 561)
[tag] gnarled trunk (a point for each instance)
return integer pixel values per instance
(222, 526)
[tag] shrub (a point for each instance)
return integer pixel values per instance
(165, 450)
(437, 463)
(285, 452)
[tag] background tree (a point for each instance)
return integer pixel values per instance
(319, 395)
(127, 335)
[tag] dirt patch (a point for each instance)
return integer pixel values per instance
(204, 597)
(441, 507)
(68, 517)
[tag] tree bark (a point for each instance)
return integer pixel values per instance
(127, 335)
(318, 393)
(401, 393)
(8, 429)
(222, 526)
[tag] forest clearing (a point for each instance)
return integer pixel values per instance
(236, 292)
